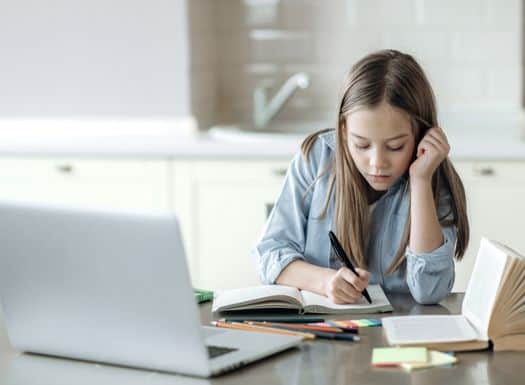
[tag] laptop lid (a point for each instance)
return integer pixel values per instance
(99, 285)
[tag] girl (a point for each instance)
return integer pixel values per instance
(382, 182)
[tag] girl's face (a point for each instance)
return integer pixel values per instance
(381, 143)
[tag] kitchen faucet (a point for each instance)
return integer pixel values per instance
(264, 111)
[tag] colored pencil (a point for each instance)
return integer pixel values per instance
(301, 326)
(320, 334)
(263, 329)
(344, 328)
(280, 319)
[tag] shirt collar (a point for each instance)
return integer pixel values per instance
(329, 139)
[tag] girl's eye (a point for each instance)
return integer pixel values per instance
(361, 147)
(396, 148)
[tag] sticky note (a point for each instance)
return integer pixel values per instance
(397, 356)
(358, 323)
(435, 358)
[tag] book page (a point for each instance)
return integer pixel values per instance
(317, 303)
(483, 285)
(427, 329)
(239, 298)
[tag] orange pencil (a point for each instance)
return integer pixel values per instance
(330, 329)
(263, 329)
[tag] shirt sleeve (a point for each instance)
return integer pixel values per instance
(430, 276)
(284, 236)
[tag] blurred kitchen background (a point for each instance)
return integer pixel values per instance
(471, 51)
(197, 106)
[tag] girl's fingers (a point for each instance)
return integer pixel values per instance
(433, 143)
(422, 147)
(347, 293)
(347, 287)
(363, 274)
(439, 136)
(429, 142)
(357, 282)
(441, 132)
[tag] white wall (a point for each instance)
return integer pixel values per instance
(93, 58)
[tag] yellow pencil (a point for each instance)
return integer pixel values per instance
(263, 329)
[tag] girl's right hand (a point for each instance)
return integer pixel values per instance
(346, 287)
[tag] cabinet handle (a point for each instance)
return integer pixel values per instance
(485, 171)
(65, 168)
(280, 172)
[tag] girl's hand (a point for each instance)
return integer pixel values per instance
(346, 287)
(431, 151)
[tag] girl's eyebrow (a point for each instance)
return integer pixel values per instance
(389, 139)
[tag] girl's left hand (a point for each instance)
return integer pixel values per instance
(431, 151)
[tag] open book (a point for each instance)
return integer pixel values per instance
(493, 309)
(286, 297)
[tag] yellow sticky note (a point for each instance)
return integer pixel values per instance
(435, 359)
(397, 356)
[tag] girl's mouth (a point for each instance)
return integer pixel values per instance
(379, 178)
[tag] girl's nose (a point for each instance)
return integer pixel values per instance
(378, 160)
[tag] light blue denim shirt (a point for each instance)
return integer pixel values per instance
(294, 231)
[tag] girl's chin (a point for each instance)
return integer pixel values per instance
(379, 188)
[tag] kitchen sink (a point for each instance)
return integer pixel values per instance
(295, 131)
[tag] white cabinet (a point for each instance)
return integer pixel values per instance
(107, 183)
(496, 207)
(223, 206)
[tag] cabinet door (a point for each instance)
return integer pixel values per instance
(106, 183)
(29, 179)
(228, 209)
(496, 206)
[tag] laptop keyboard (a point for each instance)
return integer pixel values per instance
(215, 351)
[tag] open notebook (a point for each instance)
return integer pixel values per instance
(286, 297)
(493, 309)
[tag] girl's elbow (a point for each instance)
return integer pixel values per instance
(432, 295)
(427, 299)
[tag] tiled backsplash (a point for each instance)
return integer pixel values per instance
(470, 49)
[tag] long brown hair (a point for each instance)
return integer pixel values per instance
(397, 79)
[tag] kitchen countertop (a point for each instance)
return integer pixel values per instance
(179, 139)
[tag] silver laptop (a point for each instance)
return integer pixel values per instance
(111, 287)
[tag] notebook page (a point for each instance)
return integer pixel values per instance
(483, 285)
(426, 329)
(377, 295)
(254, 294)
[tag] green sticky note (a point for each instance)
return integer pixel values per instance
(397, 356)
(202, 295)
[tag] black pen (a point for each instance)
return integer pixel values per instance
(340, 253)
